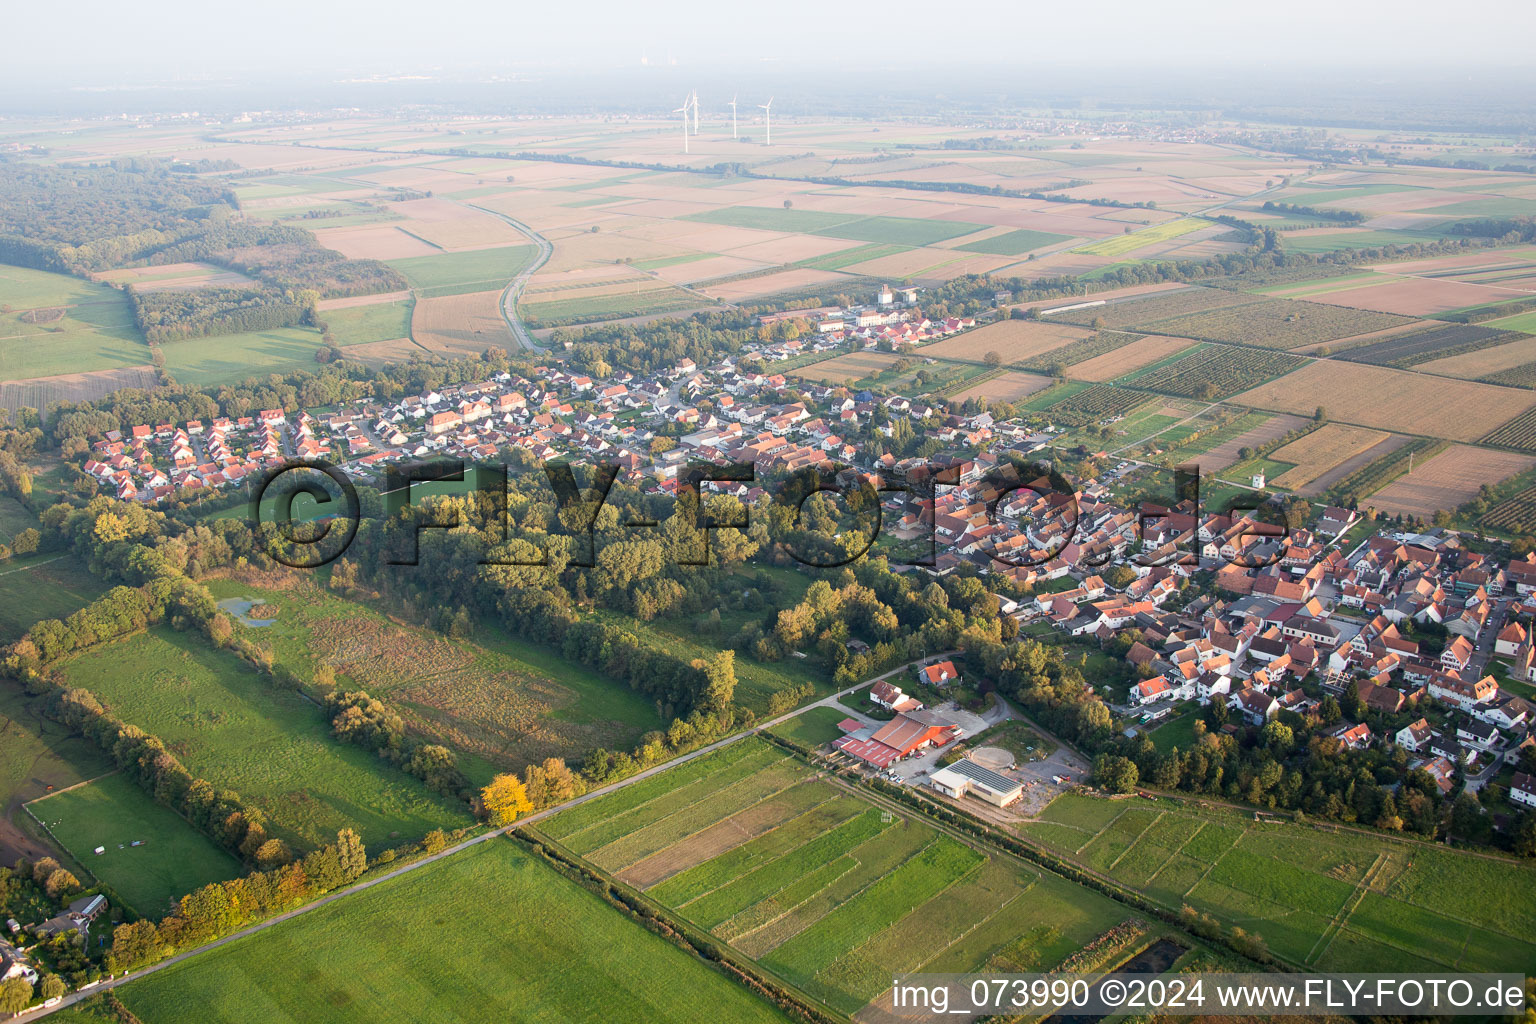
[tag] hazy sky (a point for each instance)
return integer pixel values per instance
(98, 42)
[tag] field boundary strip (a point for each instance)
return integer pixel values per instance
(1336, 925)
(1176, 853)
(1139, 836)
(782, 824)
(980, 923)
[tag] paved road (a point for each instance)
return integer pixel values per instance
(260, 926)
(514, 289)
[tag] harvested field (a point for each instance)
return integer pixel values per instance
(1227, 453)
(461, 324)
(1485, 362)
(1377, 452)
(1276, 323)
(383, 353)
(853, 366)
(1015, 340)
(1416, 296)
(1397, 400)
(770, 284)
(39, 392)
(1128, 358)
(325, 305)
(374, 242)
(1320, 451)
(1009, 387)
(176, 277)
(1448, 480)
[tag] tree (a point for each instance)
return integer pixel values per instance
(552, 782)
(53, 987)
(352, 855)
(788, 203)
(993, 359)
(1115, 773)
(15, 995)
(61, 883)
(505, 800)
(273, 853)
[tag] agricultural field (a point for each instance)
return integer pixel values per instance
(363, 324)
(1015, 341)
(1431, 343)
(152, 856)
(231, 358)
(1276, 323)
(1411, 296)
(1127, 358)
(460, 325)
(1448, 480)
(501, 703)
(440, 920)
(821, 886)
(1330, 901)
(910, 231)
(1519, 432)
(1400, 401)
(1215, 375)
(1522, 376)
(1014, 243)
(1226, 450)
(1395, 460)
(1009, 386)
(41, 392)
(1155, 306)
(1116, 246)
(459, 273)
(273, 747)
(44, 586)
(53, 325)
(852, 366)
(1320, 451)
(1515, 514)
(37, 755)
(812, 727)
(553, 309)
(1488, 363)
(1095, 403)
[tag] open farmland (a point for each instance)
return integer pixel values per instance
(1276, 323)
(1228, 450)
(1430, 343)
(551, 308)
(1155, 306)
(500, 703)
(1214, 375)
(1414, 296)
(53, 325)
(228, 725)
(1516, 514)
(1397, 400)
(890, 230)
(1320, 451)
(1127, 358)
(1331, 901)
(43, 587)
(1095, 403)
(454, 921)
(1519, 432)
(41, 392)
(824, 888)
(364, 324)
(1007, 387)
(459, 273)
(1448, 480)
(1116, 246)
(461, 324)
(1487, 363)
(229, 358)
(1015, 341)
(152, 856)
(1014, 243)
(852, 366)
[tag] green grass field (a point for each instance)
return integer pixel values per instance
(908, 231)
(828, 890)
(1519, 322)
(1119, 245)
(113, 812)
(93, 328)
(273, 747)
(490, 934)
(500, 702)
(358, 325)
(1330, 900)
(812, 727)
(1014, 243)
(584, 309)
(231, 358)
(43, 586)
(36, 752)
(460, 273)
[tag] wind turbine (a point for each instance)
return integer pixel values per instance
(684, 111)
(767, 121)
(733, 117)
(695, 111)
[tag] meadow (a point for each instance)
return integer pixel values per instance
(490, 933)
(825, 888)
(500, 702)
(1328, 899)
(458, 273)
(52, 324)
(274, 747)
(1014, 243)
(230, 358)
(171, 860)
(1116, 246)
(36, 752)
(359, 325)
(43, 586)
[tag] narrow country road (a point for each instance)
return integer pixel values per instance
(514, 289)
(261, 926)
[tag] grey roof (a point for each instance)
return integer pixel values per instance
(986, 776)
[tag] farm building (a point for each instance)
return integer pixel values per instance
(889, 695)
(966, 776)
(904, 735)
